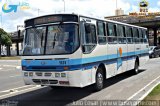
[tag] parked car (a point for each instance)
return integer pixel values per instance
(154, 51)
(3, 54)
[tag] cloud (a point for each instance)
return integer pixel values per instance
(158, 3)
(156, 9)
(94, 8)
(135, 8)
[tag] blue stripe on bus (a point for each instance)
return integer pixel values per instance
(77, 64)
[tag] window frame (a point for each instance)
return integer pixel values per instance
(136, 36)
(104, 33)
(114, 33)
(94, 45)
(121, 29)
(129, 34)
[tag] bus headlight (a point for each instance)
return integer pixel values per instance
(57, 74)
(63, 74)
(26, 74)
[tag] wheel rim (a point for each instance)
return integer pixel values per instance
(100, 79)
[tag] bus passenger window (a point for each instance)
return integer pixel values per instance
(136, 35)
(112, 38)
(120, 34)
(129, 35)
(89, 39)
(101, 33)
(145, 39)
(140, 35)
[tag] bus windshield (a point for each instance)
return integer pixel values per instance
(60, 39)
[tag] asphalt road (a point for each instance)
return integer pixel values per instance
(10, 77)
(121, 87)
(10, 62)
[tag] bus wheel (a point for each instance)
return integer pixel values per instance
(136, 68)
(99, 79)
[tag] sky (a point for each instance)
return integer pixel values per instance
(93, 8)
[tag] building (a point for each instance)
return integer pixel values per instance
(143, 18)
(119, 12)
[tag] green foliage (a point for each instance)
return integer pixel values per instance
(155, 91)
(5, 38)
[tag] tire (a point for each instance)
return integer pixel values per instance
(136, 68)
(99, 80)
(152, 56)
(157, 56)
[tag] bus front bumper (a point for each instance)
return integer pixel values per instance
(67, 78)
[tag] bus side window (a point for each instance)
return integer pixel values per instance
(112, 38)
(125, 35)
(101, 33)
(140, 35)
(145, 39)
(89, 41)
(120, 34)
(136, 35)
(129, 35)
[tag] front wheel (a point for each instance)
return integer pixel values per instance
(99, 79)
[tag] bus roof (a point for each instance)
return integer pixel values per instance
(106, 20)
(113, 21)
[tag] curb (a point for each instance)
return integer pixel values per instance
(15, 66)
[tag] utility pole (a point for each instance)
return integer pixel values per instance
(38, 11)
(64, 5)
(116, 4)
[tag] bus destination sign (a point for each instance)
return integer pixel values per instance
(49, 19)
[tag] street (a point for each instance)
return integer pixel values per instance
(121, 87)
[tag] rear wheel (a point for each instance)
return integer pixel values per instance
(157, 56)
(99, 79)
(152, 56)
(136, 68)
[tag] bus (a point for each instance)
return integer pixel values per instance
(70, 50)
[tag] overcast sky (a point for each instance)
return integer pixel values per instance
(94, 8)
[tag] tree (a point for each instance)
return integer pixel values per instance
(5, 38)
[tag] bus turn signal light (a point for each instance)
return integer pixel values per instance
(66, 68)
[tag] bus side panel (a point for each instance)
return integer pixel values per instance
(130, 56)
(144, 57)
(93, 60)
(112, 59)
(79, 78)
(122, 60)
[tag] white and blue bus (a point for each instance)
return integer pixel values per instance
(76, 51)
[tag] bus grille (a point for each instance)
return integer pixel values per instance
(44, 81)
(38, 73)
(47, 74)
